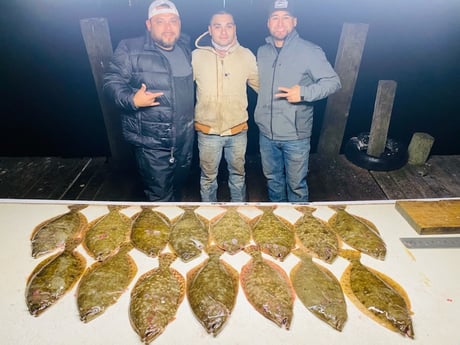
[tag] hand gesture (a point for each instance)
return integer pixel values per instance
(292, 94)
(144, 98)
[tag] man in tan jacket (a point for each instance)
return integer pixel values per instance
(222, 68)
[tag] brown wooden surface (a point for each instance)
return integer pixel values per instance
(383, 107)
(329, 179)
(431, 217)
(347, 62)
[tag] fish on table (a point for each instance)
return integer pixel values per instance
(53, 278)
(315, 235)
(319, 290)
(358, 233)
(150, 231)
(267, 288)
(188, 236)
(272, 235)
(103, 283)
(54, 233)
(107, 234)
(230, 232)
(212, 288)
(376, 295)
(155, 299)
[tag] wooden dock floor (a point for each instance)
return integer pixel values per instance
(96, 179)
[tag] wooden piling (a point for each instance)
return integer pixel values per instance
(419, 148)
(347, 64)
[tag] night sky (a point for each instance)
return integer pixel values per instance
(50, 104)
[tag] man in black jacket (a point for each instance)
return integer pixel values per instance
(150, 79)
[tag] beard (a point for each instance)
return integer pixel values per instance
(166, 44)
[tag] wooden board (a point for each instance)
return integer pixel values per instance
(431, 217)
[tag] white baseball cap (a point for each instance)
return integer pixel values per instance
(162, 6)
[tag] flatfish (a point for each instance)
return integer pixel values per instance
(267, 288)
(106, 234)
(358, 233)
(53, 278)
(272, 235)
(319, 290)
(212, 288)
(188, 236)
(155, 299)
(150, 232)
(316, 236)
(104, 282)
(54, 233)
(376, 295)
(230, 232)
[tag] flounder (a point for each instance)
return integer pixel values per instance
(212, 288)
(230, 232)
(103, 283)
(155, 299)
(376, 295)
(54, 233)
(188, 236)
(267, 288)
(107, 234)
(319, 290)
(53, 278)
(272, 235)
(150, 232)
(358, 233)
(316, 235)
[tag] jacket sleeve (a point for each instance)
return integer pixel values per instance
(117, 79)
(253, 77)
(325, 79)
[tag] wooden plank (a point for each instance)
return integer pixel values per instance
(339, 180)
(383, 107)
(58, 174)
(446, 170)
(17, 176)
(98, 45)
(347, 62)
(431, 217)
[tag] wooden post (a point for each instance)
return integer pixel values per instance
(419, 148)
(381, 118)
(347, 64)
(96, 36)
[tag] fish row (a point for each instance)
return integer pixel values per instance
(212, 287)
(151, 231)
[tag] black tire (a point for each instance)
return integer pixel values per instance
(394, 156)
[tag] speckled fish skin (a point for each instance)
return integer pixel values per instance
(212, 288)
(188, 236)
(377, 295)
(52, 279)
(358, 233)
(316, 236)
(319, 290)
(103, 283)
(267, 288)
(230, 232)
(155, 299)
(272, 236)
(54, 233)
(107, 234)
(150, 232)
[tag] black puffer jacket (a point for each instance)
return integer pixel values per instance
(136, 61)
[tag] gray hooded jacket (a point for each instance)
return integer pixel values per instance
(298, 62)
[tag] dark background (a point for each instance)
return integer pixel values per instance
(49, 102)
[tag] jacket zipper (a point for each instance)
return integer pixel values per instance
(272, 95)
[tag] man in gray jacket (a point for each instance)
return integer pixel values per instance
(293, 73)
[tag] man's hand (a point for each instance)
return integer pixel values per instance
(143, 98)
(292, 94)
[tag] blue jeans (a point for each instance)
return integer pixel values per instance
(285, 166)
(234, 148)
